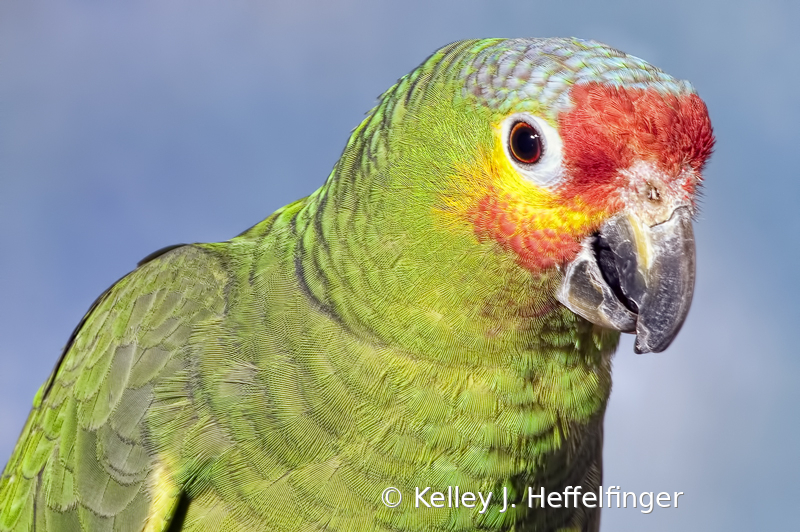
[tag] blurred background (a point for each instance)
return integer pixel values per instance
(128, 126)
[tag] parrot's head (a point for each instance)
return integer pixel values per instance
(573, 158)
(594, 166)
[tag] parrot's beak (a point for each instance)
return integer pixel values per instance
(635, 278)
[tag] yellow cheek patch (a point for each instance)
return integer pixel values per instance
(541, 227)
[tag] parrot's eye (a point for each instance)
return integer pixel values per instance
(534, 148)
(525, 143)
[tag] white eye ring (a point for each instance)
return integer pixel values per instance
(548, 169)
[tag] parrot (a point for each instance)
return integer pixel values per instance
(440, 315)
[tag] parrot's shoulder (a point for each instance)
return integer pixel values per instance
(274, 225)
(168, 286)
(85, 459)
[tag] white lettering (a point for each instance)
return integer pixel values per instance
(554, 495)
(485, 502)
(468, 499)
(593, 499)
(419, 497)
(625, 499)
(677, 493)
(531, 496)
(663, 497)
(437, 497)
(648, 504)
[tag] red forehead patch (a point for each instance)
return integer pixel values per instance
(609, 128)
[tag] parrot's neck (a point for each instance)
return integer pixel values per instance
(461, 366)
(433, 292)
(436, 357)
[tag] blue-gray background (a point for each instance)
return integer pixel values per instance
(127, 126)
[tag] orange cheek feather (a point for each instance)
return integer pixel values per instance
(519, 229)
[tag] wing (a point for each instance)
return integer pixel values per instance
(578, 463)
(84, 460)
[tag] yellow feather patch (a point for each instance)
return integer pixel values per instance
(542, 227)
(165, 496)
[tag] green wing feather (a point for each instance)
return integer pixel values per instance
(85, 460)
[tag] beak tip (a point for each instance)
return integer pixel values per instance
(651, 342)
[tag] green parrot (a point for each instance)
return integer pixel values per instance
(440, 315)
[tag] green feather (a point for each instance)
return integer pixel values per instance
(349, 343)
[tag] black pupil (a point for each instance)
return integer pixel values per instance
(526, 145)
